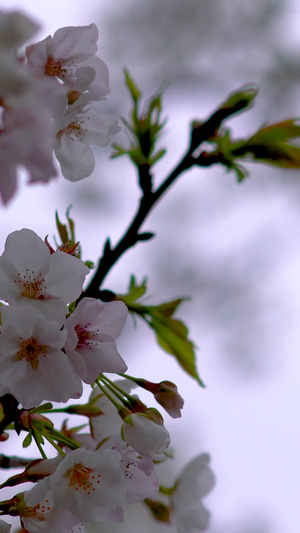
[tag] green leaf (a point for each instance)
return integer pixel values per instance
(62, 229)
(135, 292)
(134, 91)
(274, 133)
(172, 336)
(27, 441)
(268, 145)
(71, 225)
(238, 100)
(144, 128)
(157, 156)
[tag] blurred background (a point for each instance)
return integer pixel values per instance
(234, 248)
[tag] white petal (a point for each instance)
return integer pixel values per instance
(25, 250)
(66, 276)
(76, 43)
(76, 159)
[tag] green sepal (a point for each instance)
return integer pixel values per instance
(27, 441)
(42, 408)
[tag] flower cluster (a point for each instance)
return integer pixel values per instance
(46, 102)
(46, 352)
(53, 340)
(43, 354)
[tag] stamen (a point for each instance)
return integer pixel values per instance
(31, 285)
(83, 478)
(30, 350)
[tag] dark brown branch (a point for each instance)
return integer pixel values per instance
(131, 236)
(13, 461)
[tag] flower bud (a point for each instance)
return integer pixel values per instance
(145, 432)
(169, 398)
(159, 510)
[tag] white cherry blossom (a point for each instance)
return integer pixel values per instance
(140, 483)
(15, 29)
(41, 513)
(92, 329)
(31, 275)
(26, 140)
(32, 365)
(140, 478)
(195, 481)
(89, 484)
(76, 131)
(70, 56)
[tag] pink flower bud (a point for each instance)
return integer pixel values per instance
(169, 398)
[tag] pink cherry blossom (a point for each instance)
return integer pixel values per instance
(30, 275)
(92, 329)
(32, 365)
(195, 482)
(89, 484)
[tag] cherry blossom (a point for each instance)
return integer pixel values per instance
(41, 514)
(30, 275)
(15, 29)
(32, 365)
(138, 469)
(26, 140)
(70, 56)
(195, 482)
(89, 484)
(76, 130)
(92, 329)
(140, 483)
(78, 528)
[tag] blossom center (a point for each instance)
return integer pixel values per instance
(31, 285)
(53, 67)
(30, 350)
(82, 334)
(75, 130)
(39, 511)
(82, 477)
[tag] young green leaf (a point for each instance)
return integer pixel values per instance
(172, 336)
(134, 293)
